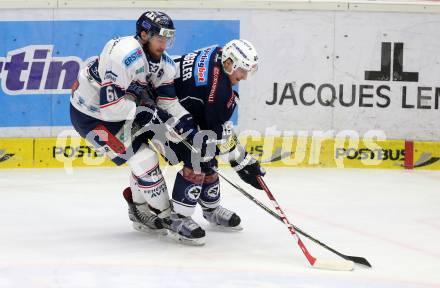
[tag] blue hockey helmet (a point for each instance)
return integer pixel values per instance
(156, 23)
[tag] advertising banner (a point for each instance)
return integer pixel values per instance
(319, 71)
(335, 71)
(301, 152)
(40, 60)
(67, 152)
(16, 153)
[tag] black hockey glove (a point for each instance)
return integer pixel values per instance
(143, 95)
(147, 115)
(248, 169)
(186, 127)
(182, 129)
(209, 166)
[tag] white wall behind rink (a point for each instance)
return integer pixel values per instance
(308, 51)
(321, 54)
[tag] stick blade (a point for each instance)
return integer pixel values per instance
(359, 260)
(337, 265)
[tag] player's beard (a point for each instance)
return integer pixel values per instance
(156, 54)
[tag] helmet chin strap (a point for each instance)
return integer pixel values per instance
(224, 70)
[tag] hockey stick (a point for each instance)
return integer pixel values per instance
(355, 259)
(341, 265)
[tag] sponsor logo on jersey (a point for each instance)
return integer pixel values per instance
(109, 75)
(33, 70)
(231, 101)
(140, 70)
(211, 97)
(202, 66)
(132, 57)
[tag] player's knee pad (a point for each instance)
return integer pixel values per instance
(186, 191)
(147, 180)
(143, 160)
(210, 194)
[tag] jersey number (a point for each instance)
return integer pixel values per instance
(111, 95)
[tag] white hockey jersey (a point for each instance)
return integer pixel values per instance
(121, 62)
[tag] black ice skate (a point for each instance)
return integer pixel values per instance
(141, 216)
(184, 230)
(222, 218)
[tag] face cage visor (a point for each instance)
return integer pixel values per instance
(166, 35)
(163, 35)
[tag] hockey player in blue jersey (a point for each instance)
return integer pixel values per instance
(131, 86)
(204, 85)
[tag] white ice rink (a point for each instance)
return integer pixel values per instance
(61, 230)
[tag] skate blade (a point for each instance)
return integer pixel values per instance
(145, 229)
(225, 229)
(185, 240)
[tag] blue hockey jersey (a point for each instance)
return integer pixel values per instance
(204, 89)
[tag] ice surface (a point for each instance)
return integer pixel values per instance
(72, 230)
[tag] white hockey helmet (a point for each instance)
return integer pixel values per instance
(243, 55)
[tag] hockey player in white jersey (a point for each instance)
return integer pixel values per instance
(129, 87)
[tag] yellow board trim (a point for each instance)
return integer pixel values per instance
(16, 153)
(71, 152)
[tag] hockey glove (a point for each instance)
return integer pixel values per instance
(209, 166)
(181, 129)
(203, 142)
(148, 115)
(143, 94)
(248, 169)
(186, 127)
